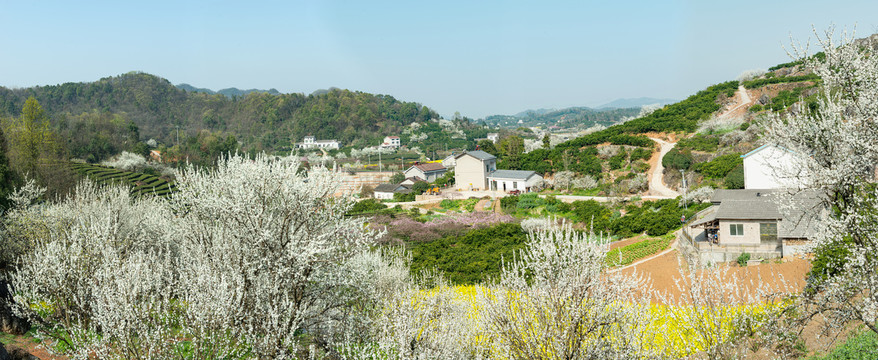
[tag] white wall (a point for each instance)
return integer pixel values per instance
(772, 168)
(383, 195)
(470, 173)
(514, 184)
(751, 232)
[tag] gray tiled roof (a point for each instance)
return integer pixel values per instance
(764, 209)
(511, 174)
(387, 187)
(738, 194)
(478, 154)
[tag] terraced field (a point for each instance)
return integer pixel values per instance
(140, 183)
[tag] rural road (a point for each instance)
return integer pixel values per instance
(656, 185)
(743, 100)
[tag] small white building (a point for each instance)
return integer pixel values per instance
(429, 171)
(494, 137)
(509, 180)
(391, 142)
(773, 167)
(448, 162)
(386, 191)
(310, 143)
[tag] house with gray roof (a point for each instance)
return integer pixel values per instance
(472, 168)
(751, 221)
(386, 191)
(509, 180)
(477, 170)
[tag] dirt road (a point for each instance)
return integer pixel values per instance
(656, 185)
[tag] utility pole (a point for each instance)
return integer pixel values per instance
(684, 187)
(178, 134)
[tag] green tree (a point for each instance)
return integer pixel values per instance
(488, 147)
(6, 175)
(397, 178)
(547, 141)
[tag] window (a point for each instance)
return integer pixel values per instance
(768, 232)
(736, 229)
(515, 185)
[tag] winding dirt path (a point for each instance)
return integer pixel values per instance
(656, 185)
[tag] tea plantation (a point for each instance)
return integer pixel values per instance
(140, 183)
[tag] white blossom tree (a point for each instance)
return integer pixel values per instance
(840, 143)
(245, 261)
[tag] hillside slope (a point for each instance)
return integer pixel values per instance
(259, 120)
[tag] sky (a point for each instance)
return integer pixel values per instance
(476, 57)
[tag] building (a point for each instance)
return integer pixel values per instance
(513, 180)
(772, 167)
(310, 143)
(448, 162)
(750, 221)
(471, 169)
(391, 142)
(494, 137)
(429, 171)
(386, 191)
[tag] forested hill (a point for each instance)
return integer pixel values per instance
(574, 117)
(258, 120)
(230, 92)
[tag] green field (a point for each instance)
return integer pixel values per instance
(140, 184)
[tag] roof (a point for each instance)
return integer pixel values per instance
(478, 154)
(511, 174)
(763, 147)
(428, 167)
(393, 137)
(764, 209)
(387, 187)
(721, 195)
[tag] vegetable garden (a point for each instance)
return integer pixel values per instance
(140, 183)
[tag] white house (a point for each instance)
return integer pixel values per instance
(429, 171)
(472, 168)
(310, 143)
(448, 162)
(772, 167)
(391, 142)
(386, 191)
(509, 180)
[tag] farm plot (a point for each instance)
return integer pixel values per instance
(140, 183)
(629, 253)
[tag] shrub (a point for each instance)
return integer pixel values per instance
(735, 178)
(720, 166)
(677, 160)
(367, 206)
(743, 259)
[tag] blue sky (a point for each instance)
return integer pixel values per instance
(476, 57)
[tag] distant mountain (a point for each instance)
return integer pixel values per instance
(228, 92)
(635, 102)
(573, 117)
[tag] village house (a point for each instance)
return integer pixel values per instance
(429, 171)
(477, 170)
(386, 191)
(448, 162)
(751, 221)
(310, 143)
(391, 142)
(471, 169)
(513, 180)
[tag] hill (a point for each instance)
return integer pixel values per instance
(573, 117)
(635, 103)
(229, 92)
(259, 120)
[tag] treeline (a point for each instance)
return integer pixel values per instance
(574, 116)
(261, 121)
(752, 84)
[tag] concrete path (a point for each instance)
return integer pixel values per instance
(657, 187)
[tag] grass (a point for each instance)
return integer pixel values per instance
(862, 346)
(140, 184)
